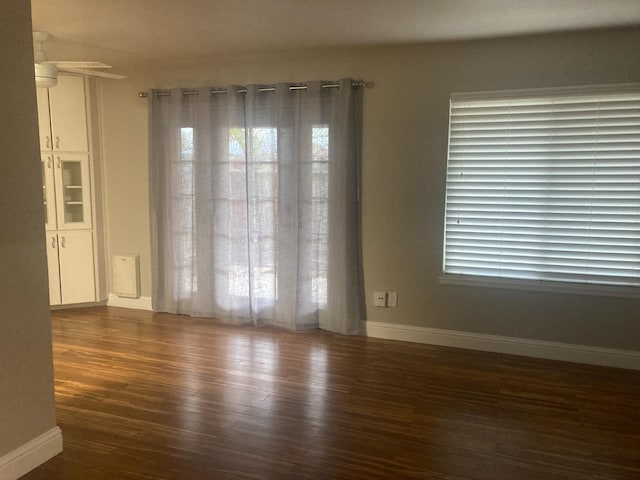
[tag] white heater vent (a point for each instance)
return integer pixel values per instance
(126, 275)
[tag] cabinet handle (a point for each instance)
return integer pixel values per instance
(53, 242)
(48, 141)
(62, 243)
(49, 161)
(57, 142)
(58, 162)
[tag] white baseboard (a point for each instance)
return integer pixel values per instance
(31, 455)
(68, 306)
(608, 357)
(142, 303)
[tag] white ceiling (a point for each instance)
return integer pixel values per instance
(170, 30)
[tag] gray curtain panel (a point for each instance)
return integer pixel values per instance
(255, 205)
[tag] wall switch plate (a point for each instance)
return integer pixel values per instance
(379, 299)
(392, 299)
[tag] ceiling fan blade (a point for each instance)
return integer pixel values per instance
(95, 73)
(70, 64)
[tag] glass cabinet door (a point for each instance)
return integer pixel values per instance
(72, 191)
(48, 191)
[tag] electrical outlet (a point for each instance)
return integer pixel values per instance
(379, 299)
(392, 299)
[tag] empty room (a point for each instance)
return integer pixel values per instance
(294, 239)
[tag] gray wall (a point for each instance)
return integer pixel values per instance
(26, 377)
(405, 146)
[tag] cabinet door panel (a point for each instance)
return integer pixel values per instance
(73, 197)
(77, 280)
(68, 115)
(44, 120)
(48, 191)
(54, 269)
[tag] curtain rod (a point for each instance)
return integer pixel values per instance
(355, 84)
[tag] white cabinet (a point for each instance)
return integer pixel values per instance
(48, 191)
(62, 116)
(54, 269)
(67, 191)
(44, 120)
(71, 272)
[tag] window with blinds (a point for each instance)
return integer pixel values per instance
(544, 186)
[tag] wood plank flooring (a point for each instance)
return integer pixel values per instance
(156, 396)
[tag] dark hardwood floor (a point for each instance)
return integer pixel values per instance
(156, 396)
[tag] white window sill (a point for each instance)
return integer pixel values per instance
(542, 286)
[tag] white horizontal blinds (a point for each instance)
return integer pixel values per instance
(545, 187)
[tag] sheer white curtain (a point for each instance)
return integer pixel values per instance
(254, 205)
